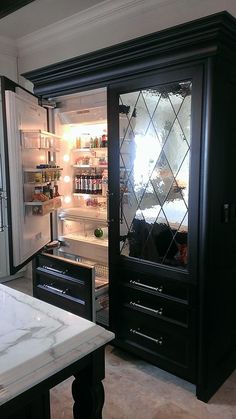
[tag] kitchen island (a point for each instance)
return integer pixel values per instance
(42, 345)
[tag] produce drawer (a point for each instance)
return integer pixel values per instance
(66, 284)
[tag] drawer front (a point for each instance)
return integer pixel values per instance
(67, 285)
(63, 268)
(64, 287)
(150, 336)
(79, 306)
(156, 306)
(157, 285)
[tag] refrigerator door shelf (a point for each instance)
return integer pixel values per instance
(43, 208)
(38, 139)
(28, 236)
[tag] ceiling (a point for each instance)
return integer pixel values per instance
(36, 14)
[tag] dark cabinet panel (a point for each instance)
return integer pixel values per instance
(166, 310)
(156, 284)
(172, 223)
(157, 341)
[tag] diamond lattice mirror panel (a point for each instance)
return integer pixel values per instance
(155, 141)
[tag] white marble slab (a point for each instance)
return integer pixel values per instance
(38, 340)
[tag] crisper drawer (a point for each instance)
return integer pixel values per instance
(163, 346)
(95, 249)
(156, 307)
(67, 285)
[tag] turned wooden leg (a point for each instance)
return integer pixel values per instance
(87, 389)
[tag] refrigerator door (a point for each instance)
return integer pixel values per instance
(4, 265)
(29, 233)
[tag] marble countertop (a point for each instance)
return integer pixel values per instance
(38, 340)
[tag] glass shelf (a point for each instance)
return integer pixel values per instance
(88, 149)
(90, 195)
(84, 214)
(99, 166)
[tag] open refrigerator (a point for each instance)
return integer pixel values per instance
(58, 175)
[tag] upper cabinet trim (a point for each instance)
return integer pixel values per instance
(7, 7)
(196, 39)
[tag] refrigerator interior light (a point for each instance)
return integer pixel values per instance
(66, 179)
(67, 199)
(66, 157)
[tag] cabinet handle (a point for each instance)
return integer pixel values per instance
(55, 270)
(157, 289)
(158, 341)
(1, 176)
(109, 195)
(121, 209)
(1, 214)
(52, 288)
(156, 311)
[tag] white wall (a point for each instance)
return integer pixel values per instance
(111, 22)
(8, 58)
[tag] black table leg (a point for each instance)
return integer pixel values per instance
(87, 388)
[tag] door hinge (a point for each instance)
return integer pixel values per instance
(50, 104)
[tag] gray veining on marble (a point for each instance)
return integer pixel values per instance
(38, 339)
(135, 389)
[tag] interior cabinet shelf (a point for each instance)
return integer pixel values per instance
(90, 195)
(90, 150)
(85, 214)
(84, 219)
(99, 166)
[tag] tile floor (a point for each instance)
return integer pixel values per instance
(135, 389)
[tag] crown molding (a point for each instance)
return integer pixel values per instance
(8, 47)
(69, 27)
(194, 40)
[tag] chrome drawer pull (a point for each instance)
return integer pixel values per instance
(158, 289)
(52, 288)
(57, 271)
(158, 341)
(158, 311)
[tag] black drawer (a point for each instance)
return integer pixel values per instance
(155, 306)
(80, 307)
(63, 268)
(149, 335)
(65, 284)
(157, 285)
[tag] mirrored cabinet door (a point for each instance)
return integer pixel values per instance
(154, 148)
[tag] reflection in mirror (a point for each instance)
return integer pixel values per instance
(155, 137)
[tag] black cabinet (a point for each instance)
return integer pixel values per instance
(157, 321)
(65, 284)
(172, 277)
